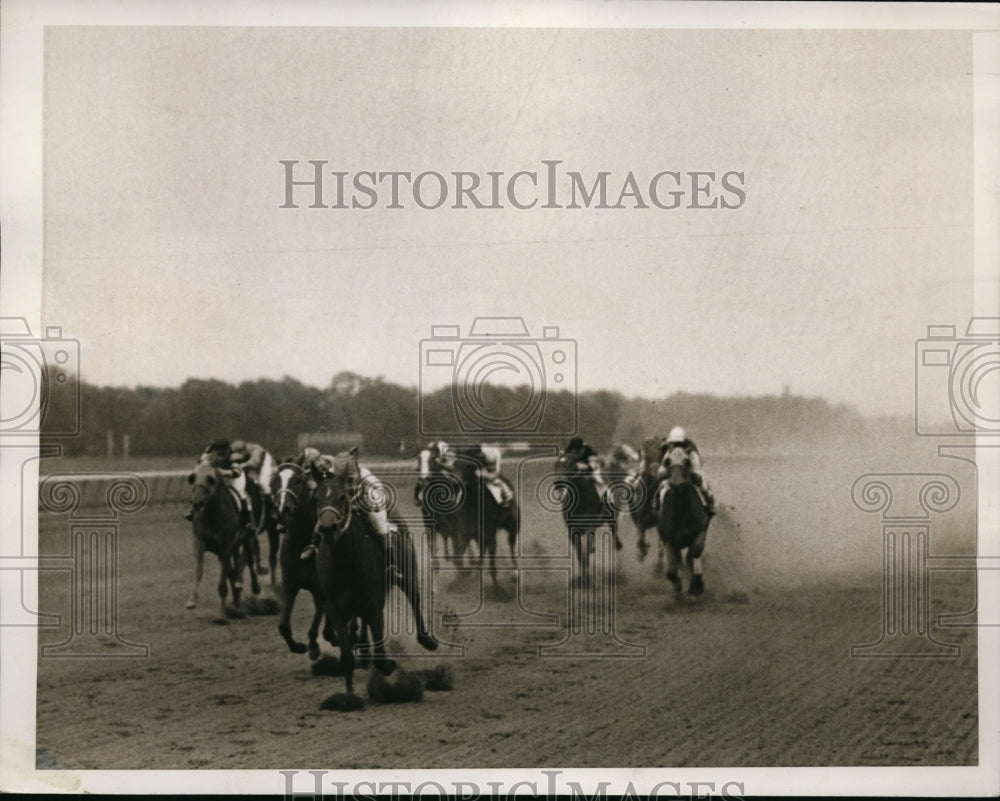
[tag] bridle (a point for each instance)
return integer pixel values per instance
(342, 518)
(285, 492)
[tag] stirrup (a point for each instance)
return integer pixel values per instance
(309, 550)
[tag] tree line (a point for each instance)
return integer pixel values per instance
(175, 421)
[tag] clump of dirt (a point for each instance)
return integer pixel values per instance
(403, 687)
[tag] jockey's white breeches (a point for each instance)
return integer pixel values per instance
(374, 497)
(238, 483)
(266, 474)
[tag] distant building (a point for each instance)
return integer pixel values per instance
(330, 441)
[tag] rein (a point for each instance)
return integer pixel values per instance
(345, 518)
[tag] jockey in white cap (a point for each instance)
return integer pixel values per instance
(498, 486)
(677, 438)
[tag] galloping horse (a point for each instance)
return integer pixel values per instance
(683, 521)
(216, 527)
(643, 512)
(458, 503)
(583, 509)
(296, 517)
(438, 492)
(351, 564)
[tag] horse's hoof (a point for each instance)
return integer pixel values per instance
(697, 586)
(298, 648)
(262, 571)
(313, 651)
(427, 642)
(190, 605)
(618, 544)
(234, 614)
(386, 667)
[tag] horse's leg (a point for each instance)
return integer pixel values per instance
(382, 663)
(313, 633)
(343, 637)
(273, 546)
(695, 551)
(411, 588)
(252, 565)
(673, 559)
(641, 531)
(490, 543)
(512, 532)
(223, 587)
(289, 591)
(613, 525)
(255, 558)
(199, 569)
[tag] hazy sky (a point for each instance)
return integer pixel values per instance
(167, 255)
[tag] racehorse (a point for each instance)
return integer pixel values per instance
(583, 509)
(351, 565)
(683, 522)
(457, 501)
(643, 511)
(296, 518)
(216, 527)
(438, 493)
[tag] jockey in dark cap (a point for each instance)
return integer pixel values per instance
(587, 461)
(369, 493)
(220, 456)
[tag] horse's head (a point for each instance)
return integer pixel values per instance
(677, 462)
(465, 462)
(332, 499)
(204, 482)
(289, 489)
(652, 452)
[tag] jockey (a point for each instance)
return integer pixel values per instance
(587, 461)
(368, 494)
(220, 456)
(256, 462)
(498, 486)
(678, 439)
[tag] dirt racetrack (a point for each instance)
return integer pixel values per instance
(757, 672)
